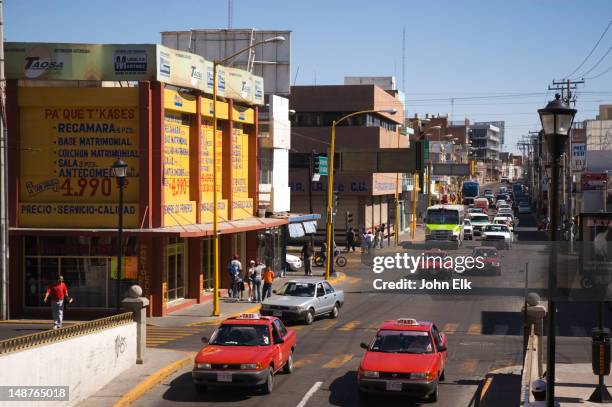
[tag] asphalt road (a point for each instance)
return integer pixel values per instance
(483, 327)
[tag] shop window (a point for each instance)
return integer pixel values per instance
(176, 268)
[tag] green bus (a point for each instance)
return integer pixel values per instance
(444, 223)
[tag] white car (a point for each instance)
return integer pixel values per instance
(500, 202)
(479, 221)
(294, 263)
(509, 218)
(498, 235)
(503, 220)
(505, 210)
(468, 230)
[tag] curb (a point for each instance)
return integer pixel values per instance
(150, 382)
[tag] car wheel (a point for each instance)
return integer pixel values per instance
(269, 384)
(200, 388)
(334, 312)
(310, 317)
(433, 397)
(341, 261)
(289, 365)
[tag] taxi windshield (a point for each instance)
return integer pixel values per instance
(402, 342)
(296, 289)
(241, 335)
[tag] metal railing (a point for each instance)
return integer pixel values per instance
(42, 338)
(531, 359)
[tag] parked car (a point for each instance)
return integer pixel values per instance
(294, 263)
(498, 236)
(244, 351)
(468, 230)
(405, 357)
(303, 300)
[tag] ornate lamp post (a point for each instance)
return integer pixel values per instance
(557, 118)
(119, 168)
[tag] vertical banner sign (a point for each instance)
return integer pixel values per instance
(242, 205)
(578, 157)
(207, 173)
(70, 138)
(178, 209)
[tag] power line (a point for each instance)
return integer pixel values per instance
(592, 50)
(598, 62)
(601, 74)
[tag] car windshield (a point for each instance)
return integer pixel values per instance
(496, 228)
(296, 289)
(467, 222)
(442, 217)
(480, 219)
(402, 342)
(484, 253)
(476, 210)
(241, 335)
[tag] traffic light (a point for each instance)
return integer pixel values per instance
(335, 202)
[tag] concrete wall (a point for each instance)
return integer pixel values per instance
(85, 364)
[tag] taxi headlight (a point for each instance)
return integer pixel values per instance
(250, 366)
(422, 375)
(203, 366)
(370, 373)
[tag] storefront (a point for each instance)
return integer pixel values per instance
(64, 212)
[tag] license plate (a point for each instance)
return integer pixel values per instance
(224, 377)
(394, 386)
(277, 313)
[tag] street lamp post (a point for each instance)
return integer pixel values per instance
(216, 278)
(119, 168)
(556, 118)
(330, 186)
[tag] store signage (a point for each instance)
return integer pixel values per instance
(242, 204)
(594, 181)
(128, 62)
(70, 138)
(578, 157)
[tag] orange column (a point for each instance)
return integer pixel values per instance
(228, 171)
(195, 159)
(145, 125)
(254, 163)
(157, 154)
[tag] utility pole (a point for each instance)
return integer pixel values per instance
(4, 242)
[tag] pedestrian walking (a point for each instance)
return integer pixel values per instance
(268, 279)
(381, 238)
(376, 237)
(234, 269)
(324, 252)
(369, 241)
(363, 242)
(350, 240)
(257, 278)
(250, 276)
(58, 291)
(307, 254)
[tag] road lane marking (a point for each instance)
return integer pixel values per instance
(296, 327)
(306, 360)
(450, 328)
(485, 387)
(474, 329)
(309, 394)
(337, 361)
(349, 326)
(469, 366)
(326, 325)
(374, 326)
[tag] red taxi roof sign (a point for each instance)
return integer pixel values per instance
(407, 321)
(248, 316)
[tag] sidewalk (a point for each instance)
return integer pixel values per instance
(574, 385)
(137, 380)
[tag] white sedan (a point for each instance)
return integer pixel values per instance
(294, 263)
(498, 235)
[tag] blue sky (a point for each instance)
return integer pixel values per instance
(454, 49)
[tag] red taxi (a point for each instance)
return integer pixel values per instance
(245, 351)
(490, 258)
(405, 357)
(432, 264)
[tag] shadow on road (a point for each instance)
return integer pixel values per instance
(343, 392)
(182, 390)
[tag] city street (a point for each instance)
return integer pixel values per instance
(483, 328)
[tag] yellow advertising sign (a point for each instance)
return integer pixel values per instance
(242, 205)
(178, 209)
(182, 102)
(207, 109)
(70, 137)
(206, 174)
(243, 114)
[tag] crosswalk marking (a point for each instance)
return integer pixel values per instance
(474, 329)
(337, 361)
(296, 327)
(157, 335)
(450, 328)
(306, 360)
(349, 326)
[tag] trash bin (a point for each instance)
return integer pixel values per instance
(600, 351)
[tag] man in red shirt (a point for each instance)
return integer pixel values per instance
(58, 293)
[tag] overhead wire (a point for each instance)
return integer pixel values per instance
(597, 64)
(592, 50)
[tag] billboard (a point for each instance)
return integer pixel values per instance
(70, 138)
(128, 62)
(578, 157)
(594, 181)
